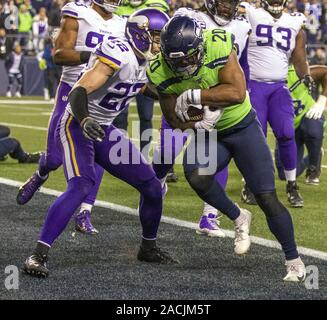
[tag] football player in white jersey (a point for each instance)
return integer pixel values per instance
(276, 38)
(214, 14)
(116, 73)
(82, 28)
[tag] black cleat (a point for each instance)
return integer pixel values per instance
(312, 176)
(293, 195)
(35, 266)
(172, 177)
(31, 158)
(155, 255)
(247, 196)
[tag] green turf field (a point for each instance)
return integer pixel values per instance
(181, 202)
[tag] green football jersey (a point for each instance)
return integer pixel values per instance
(125, 10)
(302, 100)
(218, 45)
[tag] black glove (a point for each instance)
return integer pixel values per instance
(309, 83)
(92, 129)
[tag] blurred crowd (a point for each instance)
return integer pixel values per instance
(29, 22)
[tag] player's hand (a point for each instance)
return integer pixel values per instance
(42, 64)
(185, 100)
(316, 111)
(92, 129)
(309, 83)
(210, 118)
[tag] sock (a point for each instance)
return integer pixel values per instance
(290, 175)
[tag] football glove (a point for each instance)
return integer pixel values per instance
(316, 111)
(308, 82)
(92, 129)
(210, 118)
(187, 98)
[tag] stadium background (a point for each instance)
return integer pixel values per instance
(28, 118)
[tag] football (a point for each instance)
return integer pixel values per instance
(195, 114)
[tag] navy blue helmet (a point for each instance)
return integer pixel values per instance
(182, 45)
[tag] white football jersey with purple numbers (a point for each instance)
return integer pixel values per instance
(271, 43)
(92, 29)
(107, 102)
(239, 26)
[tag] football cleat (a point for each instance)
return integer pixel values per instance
(31, 158)
(209, 226)
(242, 240)
(312, 176)
(18, 95)
(247, 196)
(172, 177)
(155, 255)
(83, 223)
(27, 190)
(296, 271)
(8, 94)
(293, 195)
(36, 266)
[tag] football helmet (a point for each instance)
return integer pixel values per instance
(141, 27)
(182, 45)
(108, 5)
(222, 11)
(136, 3)
(274, 6)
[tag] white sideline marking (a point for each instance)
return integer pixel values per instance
(16, 125)
(190, 225)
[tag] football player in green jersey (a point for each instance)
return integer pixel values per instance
(200, 68)
(308, 123)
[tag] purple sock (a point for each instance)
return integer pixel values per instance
(90, 199)
(63, 208)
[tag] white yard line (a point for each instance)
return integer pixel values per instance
(190, 225)
(16, 125)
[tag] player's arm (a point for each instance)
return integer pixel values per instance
(65, 54)
(150, 91)
(319, 75)
(91, 81)
(231, 89)
(300, 61)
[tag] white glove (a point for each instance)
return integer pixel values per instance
(316, 111)
(210, 118)
(185, 100)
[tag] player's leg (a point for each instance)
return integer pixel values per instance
(78, 159)
(145, 110)
(51, 160)
(200, 170)
(11, 80)
(19, 79)
(259, 94)
(313, 134)
(83, 217)
(253, 158)
(121, 158)
(281, 119)
(121, 121)
(170, 145)
(210, 219)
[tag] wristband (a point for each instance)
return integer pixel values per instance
(195, 96)
(322, 100)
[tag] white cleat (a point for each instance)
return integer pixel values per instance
(242, 240)
(18, 95)
(209, 226)
(296, 271)
(8, 94)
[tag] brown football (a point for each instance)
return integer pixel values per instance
(195, 114)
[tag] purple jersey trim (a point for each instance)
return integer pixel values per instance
(70, 12)
(101, 54)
